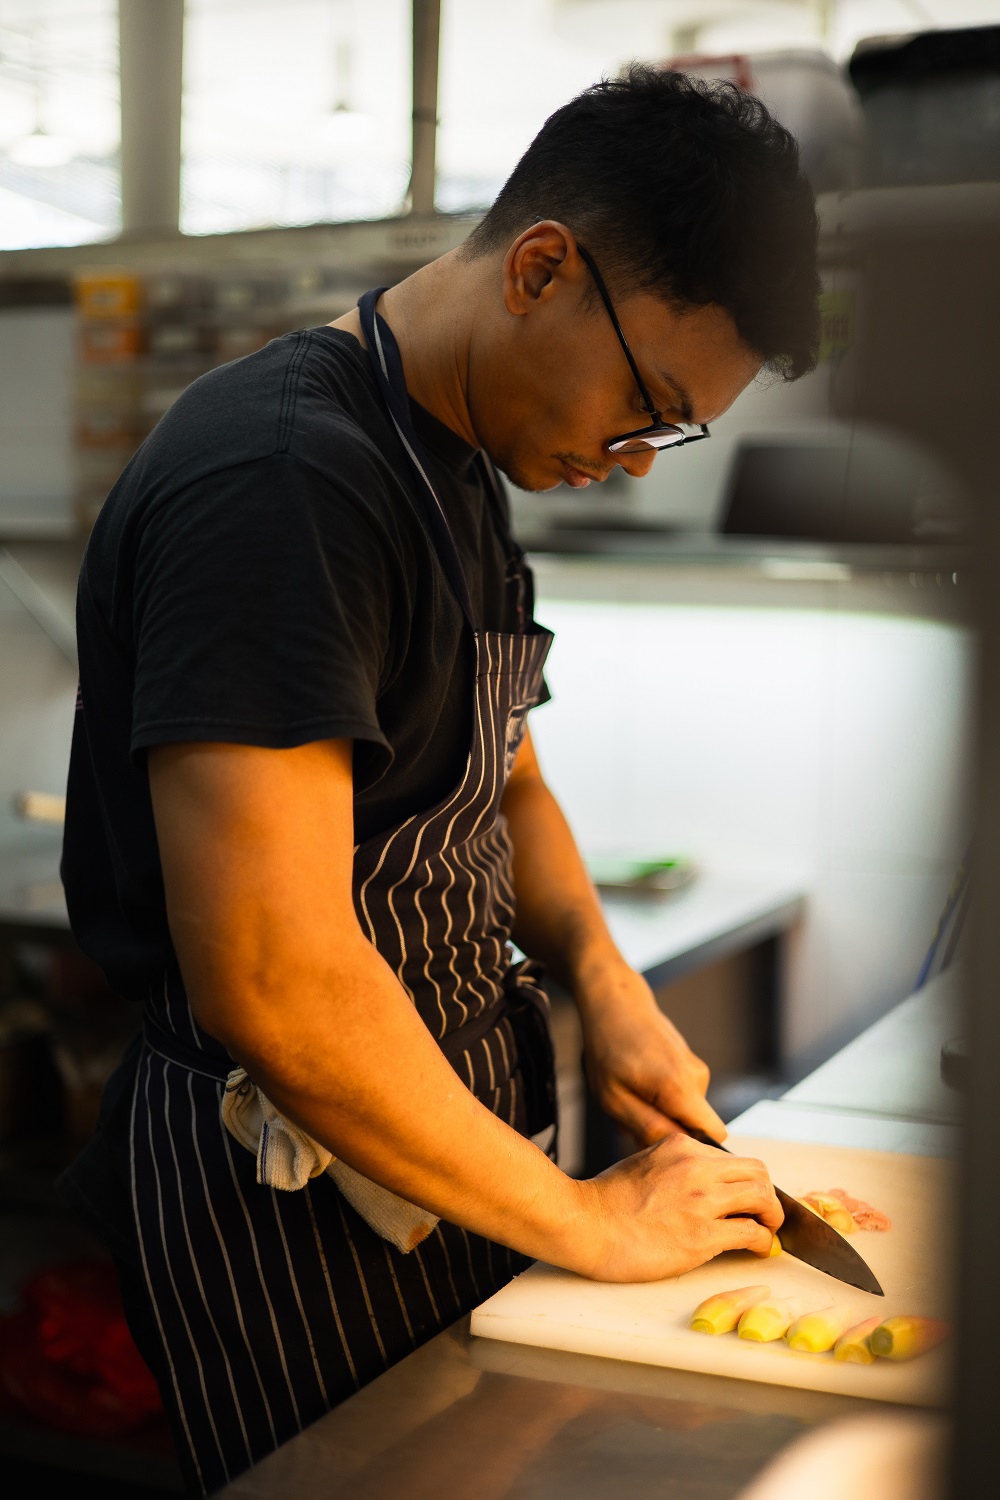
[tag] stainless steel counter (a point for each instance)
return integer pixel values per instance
(471, 1419)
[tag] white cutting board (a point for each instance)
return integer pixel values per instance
(648, 1321)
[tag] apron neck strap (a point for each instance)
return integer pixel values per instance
(387, 366)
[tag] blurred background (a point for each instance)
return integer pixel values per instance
(763, 676)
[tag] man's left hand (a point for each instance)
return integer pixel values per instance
(640, 1068)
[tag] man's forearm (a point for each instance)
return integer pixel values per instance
(339, 1050)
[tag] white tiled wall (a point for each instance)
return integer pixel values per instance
(827, 742)
(36, 420)
(37, 694)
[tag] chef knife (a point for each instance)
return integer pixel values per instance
(810, 1238)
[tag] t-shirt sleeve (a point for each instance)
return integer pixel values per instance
(262, 611)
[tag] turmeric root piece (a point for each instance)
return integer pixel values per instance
(854, 1346)
(832, 1210)
(905, 1338)
(721, 1313)
(776, 1246)
(769, 1321)
(816, 1332)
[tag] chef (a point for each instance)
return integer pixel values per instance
(305, 817)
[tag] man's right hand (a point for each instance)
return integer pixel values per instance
(674, 1206)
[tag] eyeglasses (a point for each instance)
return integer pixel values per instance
(658, 434)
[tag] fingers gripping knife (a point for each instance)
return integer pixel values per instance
(809, 1238)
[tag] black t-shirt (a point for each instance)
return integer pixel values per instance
(263, 573)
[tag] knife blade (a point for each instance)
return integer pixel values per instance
(811, 1239)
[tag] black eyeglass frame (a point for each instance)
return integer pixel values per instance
(675, 436)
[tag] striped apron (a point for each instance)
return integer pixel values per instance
(257, 1309)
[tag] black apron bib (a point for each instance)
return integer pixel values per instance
(258, 1310)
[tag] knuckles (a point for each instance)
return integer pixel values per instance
(748, 1230)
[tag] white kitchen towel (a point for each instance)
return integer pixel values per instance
(287, 1158)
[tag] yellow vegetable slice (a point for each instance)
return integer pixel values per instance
(816, 1332)
(721, 1313)
(854, 1346)
(832, 1210)
(768, 1321)
(905, 1338)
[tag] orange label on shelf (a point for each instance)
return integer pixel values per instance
(107, 293)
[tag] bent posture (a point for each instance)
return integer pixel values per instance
(305, 818)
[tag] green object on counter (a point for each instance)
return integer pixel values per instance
(656, 877)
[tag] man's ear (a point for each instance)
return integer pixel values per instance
(537, 262)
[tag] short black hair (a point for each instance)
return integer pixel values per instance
(684, 187)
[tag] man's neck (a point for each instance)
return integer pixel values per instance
(431, 316)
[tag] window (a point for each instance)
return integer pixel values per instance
(295, 112)
(59, 122)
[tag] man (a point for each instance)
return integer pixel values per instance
(305, 817)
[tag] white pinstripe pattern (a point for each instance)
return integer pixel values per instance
(453, 950)
(260, 1277)
(430, 1294)
(329, 1287)
(419, 888)
(470, 872)
(489, 1063)
(195, 1267)
(363, 1283)
(293, 1279)
(170, 1269)
(377, 870)
(447, 1263)
(446, 941)
(153, 1299)
(502, 1043)
(224, 1251)
(399, 1295)
(471, 799)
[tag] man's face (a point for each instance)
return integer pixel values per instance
(550, 386)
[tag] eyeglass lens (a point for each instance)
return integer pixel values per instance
(663, 438)
(635, 445)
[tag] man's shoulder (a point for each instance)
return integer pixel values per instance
(300, 415)
(306, 393)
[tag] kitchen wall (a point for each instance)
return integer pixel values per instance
(36, 420)
(768, 717)
(37, 679)
(751, 722)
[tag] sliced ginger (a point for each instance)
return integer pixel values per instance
(769, 1321)
(854, 1346)
(816, 1332)
(837, 1207)
(721, 1313)
(763, 1319)
(832, 1210)
(905, 1338)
